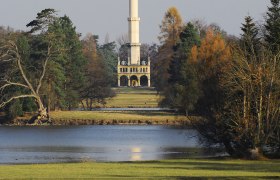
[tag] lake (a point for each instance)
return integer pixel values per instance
(23, 145)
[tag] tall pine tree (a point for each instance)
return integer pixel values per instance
(272, 26)
(74, 63)
(249, 38)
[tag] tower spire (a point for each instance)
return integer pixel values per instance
(134, 37)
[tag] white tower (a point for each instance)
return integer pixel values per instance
(132, 72)
(133, 29)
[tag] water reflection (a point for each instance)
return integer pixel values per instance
(136, 154)
(136, 150)
(96, 143)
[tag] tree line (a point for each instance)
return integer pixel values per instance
(232, 84)
(50, 68)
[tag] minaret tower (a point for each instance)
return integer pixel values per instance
(133, 29)
(134, 71)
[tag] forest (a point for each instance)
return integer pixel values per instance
(232, 83)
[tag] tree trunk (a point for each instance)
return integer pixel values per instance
(42, 116)
(255, 154)
(269, 95)
(82, 102)
(260, 113)
(91, 104)
(245, 110)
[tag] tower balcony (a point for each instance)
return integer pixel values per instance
(133, 19)
(134, 44)
(134, 69)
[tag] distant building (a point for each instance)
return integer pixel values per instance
(133, 72)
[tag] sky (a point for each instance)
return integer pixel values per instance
(102, 17)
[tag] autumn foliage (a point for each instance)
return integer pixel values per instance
(213, 50)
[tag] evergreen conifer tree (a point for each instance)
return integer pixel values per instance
(182, 92)
(249, 37)
(272, 26)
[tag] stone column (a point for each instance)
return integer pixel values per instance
(128, 81)
(139, 80)
(119, 82)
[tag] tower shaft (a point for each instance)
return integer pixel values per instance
(132, 72)
(134, 37)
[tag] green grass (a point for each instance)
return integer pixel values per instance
(126, 117)
(133, 100)
(128, 90)
(133, 97)
(168, 169)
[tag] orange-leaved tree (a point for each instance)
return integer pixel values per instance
(171, 28)
(212, 53)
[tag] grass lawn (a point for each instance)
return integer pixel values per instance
(119, 117)
(167, 169)
(133, 100)
(129, 90)
(133, 97)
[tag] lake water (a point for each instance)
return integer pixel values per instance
(96, 143)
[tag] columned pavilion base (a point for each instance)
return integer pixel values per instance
(134, 75)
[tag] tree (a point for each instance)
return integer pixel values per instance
(212, 59)
(240, 103)
(65, 74)
(171, 28)
(153, 54)
(34, 56)
(212, 52)
(252, 89)
(272, 26)
(11, 53)
(123, 48)
(97, 87)
(110, 56)
(253, 92)
(161, 66)
(54, 81)
(249, 39)
(183, 89)
(74, 63)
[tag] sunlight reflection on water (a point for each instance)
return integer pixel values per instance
(96, 143)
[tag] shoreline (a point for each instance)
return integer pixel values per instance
(76, 118)
(83, 122)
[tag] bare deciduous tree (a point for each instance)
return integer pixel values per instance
(28, 55)
(10, 54)
(253, 86)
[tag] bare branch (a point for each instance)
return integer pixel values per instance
(14, 98)
(44, 70)
(8, 60)
(6, 56)
(8, 83)
(18, 59)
